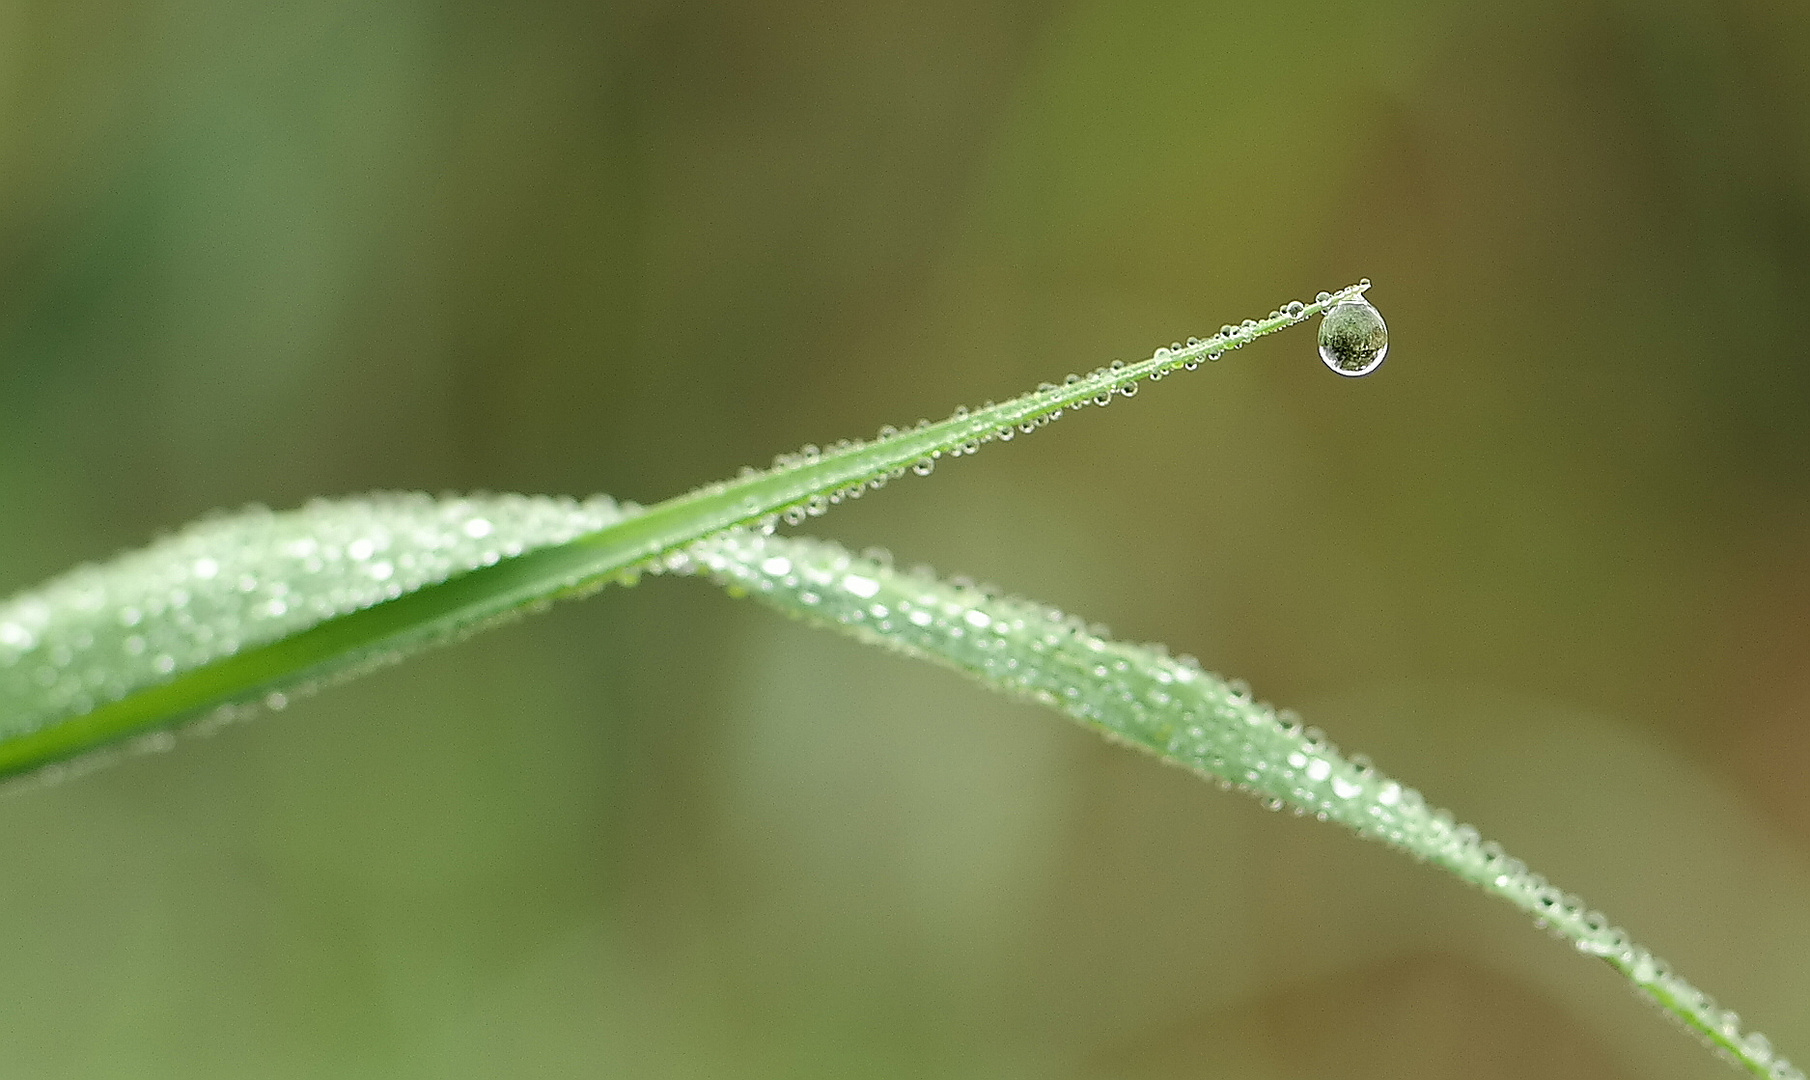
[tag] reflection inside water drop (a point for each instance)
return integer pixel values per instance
(1353, 338)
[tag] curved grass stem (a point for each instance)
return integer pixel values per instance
(1169, 707)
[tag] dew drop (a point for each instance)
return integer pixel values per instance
(1353, 337)
(1322, 297)
(1294, 309)
(923, 466)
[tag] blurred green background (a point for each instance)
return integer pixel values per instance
(1551, 563)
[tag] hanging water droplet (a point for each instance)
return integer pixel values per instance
(1353, 337)
(923, 466)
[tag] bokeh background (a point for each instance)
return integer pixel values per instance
(1551, 563)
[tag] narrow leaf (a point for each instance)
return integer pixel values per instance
(247, 606)
(1140, 695)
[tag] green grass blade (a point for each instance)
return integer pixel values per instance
(234, 610)
(1140, 695)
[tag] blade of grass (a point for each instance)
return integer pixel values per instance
(70, 682)
(1169, 707)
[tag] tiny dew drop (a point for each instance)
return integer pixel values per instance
(1353, 338)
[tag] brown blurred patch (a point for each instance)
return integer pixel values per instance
(1764, 652)
(1413, 1017)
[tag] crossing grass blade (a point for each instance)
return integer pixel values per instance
(243, 607)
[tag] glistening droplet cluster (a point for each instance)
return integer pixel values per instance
(1169, 706)
(231, 583)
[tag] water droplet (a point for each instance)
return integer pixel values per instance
(1294, 309)
(1321, 298)
(923, 466)
(1353, 337)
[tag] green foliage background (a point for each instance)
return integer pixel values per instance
(1549, 563)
